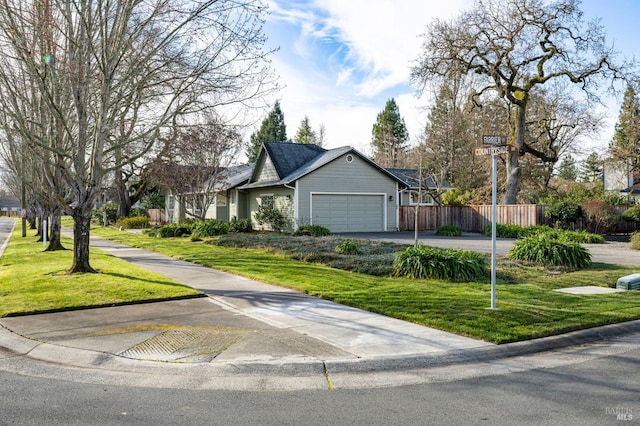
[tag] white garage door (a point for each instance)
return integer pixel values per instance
(348, 212)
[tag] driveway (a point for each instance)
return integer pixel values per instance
(609, 252)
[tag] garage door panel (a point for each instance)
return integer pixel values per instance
(349, 212)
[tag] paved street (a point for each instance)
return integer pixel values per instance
(594, 391)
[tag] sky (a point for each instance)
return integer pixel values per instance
(339, 61)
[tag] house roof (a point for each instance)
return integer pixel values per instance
(411, 177)
(234, 176)
(289, 157)
(292, 161)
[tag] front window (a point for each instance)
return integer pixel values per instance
(267, 201)
(414, 198)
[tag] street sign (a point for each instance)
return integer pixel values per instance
(493, 150)
(494, 140)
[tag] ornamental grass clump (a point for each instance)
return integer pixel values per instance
(544, 250)
(635, 240)
(449, 231)
(423, 261)
(348, 247)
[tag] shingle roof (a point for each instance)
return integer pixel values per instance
(290, 168)
(412, 178)
(289, 157)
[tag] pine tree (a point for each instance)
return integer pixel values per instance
(625, 145)
(272, 129)
(591, 170)
(389, 135)
(305, 133)
(568, 169)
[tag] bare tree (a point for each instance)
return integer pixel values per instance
(514, 46)
(113, 75)
(194, 161)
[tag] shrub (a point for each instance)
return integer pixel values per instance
(563, 212)
(632, 214)
(455, 197)
(635, 240)
(544, 250)
(599, 217)
(313, 230)
(174, 230)
(134, 222)
(111, 209)
(138, 211)
(504, 231)
(272, 217)
(449, 231)
(240, 225)
(209, 228)
(451, 264)
(349, 247)
(562, 234)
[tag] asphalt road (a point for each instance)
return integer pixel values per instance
(600, 391)
(5, 231)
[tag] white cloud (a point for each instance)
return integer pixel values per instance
(341, 60)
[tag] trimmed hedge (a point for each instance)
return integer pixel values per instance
(135, 222)
(209, 228)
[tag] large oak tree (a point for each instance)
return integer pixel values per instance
(513, 47)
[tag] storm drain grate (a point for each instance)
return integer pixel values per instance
(185, 344)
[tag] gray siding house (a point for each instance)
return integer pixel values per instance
(338, 188)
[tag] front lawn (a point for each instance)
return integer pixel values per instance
(34, 281)
(528, 306)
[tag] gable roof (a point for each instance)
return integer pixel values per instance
(292, 161)
(288, 157)
(411, 177)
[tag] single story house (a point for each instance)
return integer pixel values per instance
(338, 188)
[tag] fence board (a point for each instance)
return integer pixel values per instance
(475, 218)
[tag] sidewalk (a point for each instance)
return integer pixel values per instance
(245, 334)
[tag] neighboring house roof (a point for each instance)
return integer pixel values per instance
(292, 161)
(411, 178)
(233, 177)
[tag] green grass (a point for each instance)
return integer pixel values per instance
(33, 281)
(528, 306)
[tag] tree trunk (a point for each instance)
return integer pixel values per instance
(81, 231)
(55, 242)
(513, 168)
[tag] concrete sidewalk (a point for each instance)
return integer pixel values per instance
(244, 335)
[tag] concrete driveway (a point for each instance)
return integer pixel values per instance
(609, 252)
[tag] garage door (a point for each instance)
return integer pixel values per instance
(348, 212)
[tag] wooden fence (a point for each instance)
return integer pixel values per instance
(474, 218)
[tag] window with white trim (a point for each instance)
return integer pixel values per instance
(414, 199)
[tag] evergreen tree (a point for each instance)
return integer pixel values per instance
(625, 145)
(568, 169)
(591, 170)
(305, 133)
(272, 129)
(389, 135)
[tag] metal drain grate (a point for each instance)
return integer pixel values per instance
(185, 345)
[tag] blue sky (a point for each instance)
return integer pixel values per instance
(341, 60)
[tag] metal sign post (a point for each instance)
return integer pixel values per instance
(497, 145)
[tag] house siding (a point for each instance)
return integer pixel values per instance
(266, 170)
(283, 199)
(342, 177)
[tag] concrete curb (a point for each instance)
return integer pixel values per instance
(297, 366)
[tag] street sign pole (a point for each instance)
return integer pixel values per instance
(494, 185)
